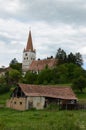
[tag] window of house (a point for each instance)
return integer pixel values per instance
(20, 103)
(14, 102)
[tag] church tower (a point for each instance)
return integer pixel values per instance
(29, 54)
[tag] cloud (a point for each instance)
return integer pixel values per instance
(68, 11)
(54, 24)
(54, 11)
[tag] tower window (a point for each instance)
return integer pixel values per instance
(26, 54)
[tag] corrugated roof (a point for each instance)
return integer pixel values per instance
(38, 65)
(48, 91)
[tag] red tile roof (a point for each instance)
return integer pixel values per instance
(48, 91)
(38, 65)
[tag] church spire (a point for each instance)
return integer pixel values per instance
(29, 46)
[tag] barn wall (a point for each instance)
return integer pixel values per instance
(16, 103)
(35, 102)
(26, 103)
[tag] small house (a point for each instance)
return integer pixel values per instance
(26, 96)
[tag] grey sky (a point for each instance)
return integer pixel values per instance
(54, 24)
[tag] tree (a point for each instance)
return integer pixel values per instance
(79, 84)
(17, 66)
(12, 77)
(13, 61)
(61, 56)
(3, 86)
(45, 76)
(79, 60)
(30, 78)
(71, 58)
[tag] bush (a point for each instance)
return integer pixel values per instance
(4, 88)
(79, 84)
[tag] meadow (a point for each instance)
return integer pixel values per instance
(42, 119)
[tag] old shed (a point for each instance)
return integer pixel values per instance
(26, 96)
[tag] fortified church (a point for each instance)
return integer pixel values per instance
(29, 58)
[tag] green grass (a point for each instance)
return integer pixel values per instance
(4, 97)
(42, 120)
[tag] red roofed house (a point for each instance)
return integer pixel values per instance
(27, 96)
(29, 59)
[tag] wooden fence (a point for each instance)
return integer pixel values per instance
(81, 106)
(77, 106)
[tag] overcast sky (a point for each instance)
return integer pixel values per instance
(54, 24)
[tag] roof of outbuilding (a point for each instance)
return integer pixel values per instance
(48, 91)
(38, 65)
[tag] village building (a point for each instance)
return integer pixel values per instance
(3, 71)
(25, 97)
(39, 65)
(29, 59)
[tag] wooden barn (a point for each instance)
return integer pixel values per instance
(27, 96)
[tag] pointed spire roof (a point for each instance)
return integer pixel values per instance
(29, 46)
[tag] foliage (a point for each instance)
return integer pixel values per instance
(16, 66)
(45, 76)
(64, 73)
(13, 61)
(30, 78)
(61, 56)
(79, 84)
(70, 58)
(3, 86)
(12, 77)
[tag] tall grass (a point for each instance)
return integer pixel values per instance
(42, 120)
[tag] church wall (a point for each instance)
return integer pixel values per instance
(28, 57)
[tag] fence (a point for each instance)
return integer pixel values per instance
(76, 106)
(81, 106)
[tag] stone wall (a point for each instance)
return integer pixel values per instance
(26, 103)
(16, 103)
